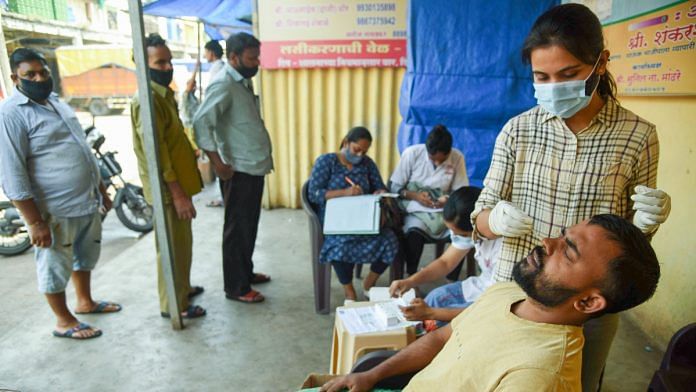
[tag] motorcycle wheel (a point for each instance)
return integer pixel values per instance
(134, 212)
(14, 238)
(98, 107)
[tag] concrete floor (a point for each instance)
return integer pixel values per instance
(237, 347)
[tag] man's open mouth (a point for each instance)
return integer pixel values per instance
(535, 258)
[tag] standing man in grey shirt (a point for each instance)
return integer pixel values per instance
(49, 173)
(229, 128)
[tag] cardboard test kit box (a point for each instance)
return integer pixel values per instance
(315, 380)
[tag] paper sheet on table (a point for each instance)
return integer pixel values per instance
(378, 294)
(362, 320)
(414, 206)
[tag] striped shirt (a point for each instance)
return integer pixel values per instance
(560, 178)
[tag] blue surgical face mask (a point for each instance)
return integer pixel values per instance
(460, 241)
(350, 157)
(567, 98)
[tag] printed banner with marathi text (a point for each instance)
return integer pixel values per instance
(332, 34)
(655, 53)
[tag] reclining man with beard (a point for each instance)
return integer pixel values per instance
(526, 335)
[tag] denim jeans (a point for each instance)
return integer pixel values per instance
(75, 246)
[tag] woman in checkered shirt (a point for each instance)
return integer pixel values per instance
(577, 154)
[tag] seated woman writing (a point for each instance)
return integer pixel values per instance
(346, 173)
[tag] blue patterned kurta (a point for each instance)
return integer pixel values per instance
(329, 174)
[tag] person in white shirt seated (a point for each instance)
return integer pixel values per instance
(426, 175)
(446, 302)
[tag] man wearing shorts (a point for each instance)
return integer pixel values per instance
(49, 173)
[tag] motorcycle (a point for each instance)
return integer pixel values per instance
(14, 237)
(129, 203)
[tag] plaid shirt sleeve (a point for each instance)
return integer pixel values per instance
(646, 170)
(497, 185)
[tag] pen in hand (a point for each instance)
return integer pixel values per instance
(354, 188)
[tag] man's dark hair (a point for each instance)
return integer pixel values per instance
(439, 140)
(214, 47)
(460, 205)
(154, 40)
(23, 55)
(631, 277)
(236, 43)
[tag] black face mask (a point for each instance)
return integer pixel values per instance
(163, 78)
(36, 91)
(246, 72)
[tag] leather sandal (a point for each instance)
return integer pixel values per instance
(260, 278)
(251, 297)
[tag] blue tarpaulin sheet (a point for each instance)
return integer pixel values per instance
(221, 17)
(465, 71)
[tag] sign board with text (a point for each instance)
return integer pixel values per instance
(655, 53)
(332, 34)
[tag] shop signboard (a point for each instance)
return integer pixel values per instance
(332, 34)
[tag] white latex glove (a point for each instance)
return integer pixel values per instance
(652, 208)
(507, 220)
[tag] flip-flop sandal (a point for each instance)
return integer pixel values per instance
(260, 278)
(195, 290)
(80, 327)
(193, 311)
(251, 297)
(101, 308)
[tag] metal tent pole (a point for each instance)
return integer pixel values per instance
(152, 152)
(255, 30)
(259, 88)
(200, 70)
(6, 81)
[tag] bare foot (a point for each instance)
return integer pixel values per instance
(349, 291)
(370, 281)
